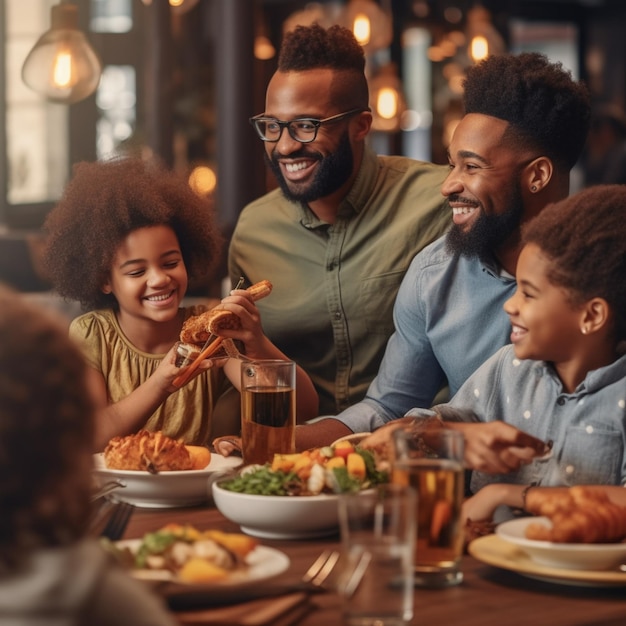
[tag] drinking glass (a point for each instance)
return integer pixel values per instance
(431, 460)
(268, 409)
(378, 536)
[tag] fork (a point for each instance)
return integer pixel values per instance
(117, 522)
(320, 569)
(312, 581)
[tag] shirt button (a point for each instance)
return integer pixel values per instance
(561, 401)
(337, 315)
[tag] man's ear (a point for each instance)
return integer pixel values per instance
(539, 174)
(362, 125)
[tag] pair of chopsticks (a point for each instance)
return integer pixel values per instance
(210, 346)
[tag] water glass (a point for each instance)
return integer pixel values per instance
(378, 536)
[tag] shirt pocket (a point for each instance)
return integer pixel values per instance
(594, 457)
(378, 294)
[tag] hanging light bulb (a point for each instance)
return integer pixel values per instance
(62, 66)
(371, 24)
(362, 28)
(483, 37)
(387, 99)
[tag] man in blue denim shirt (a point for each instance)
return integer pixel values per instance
(524, 128)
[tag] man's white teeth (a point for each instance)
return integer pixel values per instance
(295, 167)
(463, 210)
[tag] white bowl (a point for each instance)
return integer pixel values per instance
(580, 556)
(165, 489)
(279, 517)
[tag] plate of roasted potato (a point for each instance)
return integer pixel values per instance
(181, 559)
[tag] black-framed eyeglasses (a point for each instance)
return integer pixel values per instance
(302, 129)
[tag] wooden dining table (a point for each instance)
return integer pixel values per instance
(488, 596)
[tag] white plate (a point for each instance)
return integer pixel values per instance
(279, 517)
(165, 489)
(495, 551)
(263, 563)
(577, 556)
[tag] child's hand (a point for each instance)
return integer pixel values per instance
(167, 371)
(241, 303)
(481, 506)
(497, 447)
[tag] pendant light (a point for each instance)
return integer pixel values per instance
(62, 66)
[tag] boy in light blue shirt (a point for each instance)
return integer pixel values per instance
(563, 379)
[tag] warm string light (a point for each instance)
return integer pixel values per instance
(361, 28)
(479, 48)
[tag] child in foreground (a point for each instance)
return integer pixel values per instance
(49, 572)
(125, 240)
(563, 379)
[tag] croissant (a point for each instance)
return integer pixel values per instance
(197, 329)
(581, 515)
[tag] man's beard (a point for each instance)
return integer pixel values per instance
(489, 231)
(332, 172)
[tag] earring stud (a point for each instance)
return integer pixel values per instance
(533, 188)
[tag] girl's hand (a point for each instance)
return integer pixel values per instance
(240, 302)
(167, 371)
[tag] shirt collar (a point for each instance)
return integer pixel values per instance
(594, 380)
(357, 196)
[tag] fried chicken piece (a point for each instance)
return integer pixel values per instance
(197, 329)
(147, 451)
(582, 515)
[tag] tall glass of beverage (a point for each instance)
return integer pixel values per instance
(268, 409)
(431, 461)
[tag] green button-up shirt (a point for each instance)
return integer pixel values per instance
(335, 285)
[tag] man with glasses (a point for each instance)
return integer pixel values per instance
(337, 237)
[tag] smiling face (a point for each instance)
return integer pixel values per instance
(545, 322)
(312, 171)
(484, 185)
(148, 277)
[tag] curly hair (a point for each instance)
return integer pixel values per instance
(584, 236)
(102, 204)
(314, 47)
(546, 109)
(46, 432)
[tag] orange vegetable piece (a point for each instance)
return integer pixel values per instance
(197, 570)
(200, 456)
(356, 465)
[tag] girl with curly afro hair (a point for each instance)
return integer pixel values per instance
(126, 239)
(48, 566)
(563, 379)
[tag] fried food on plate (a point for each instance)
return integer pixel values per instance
(197, 329)
(149, 451)
(582, 515)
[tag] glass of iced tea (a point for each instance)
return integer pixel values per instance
(268, 409)
(430, 459)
